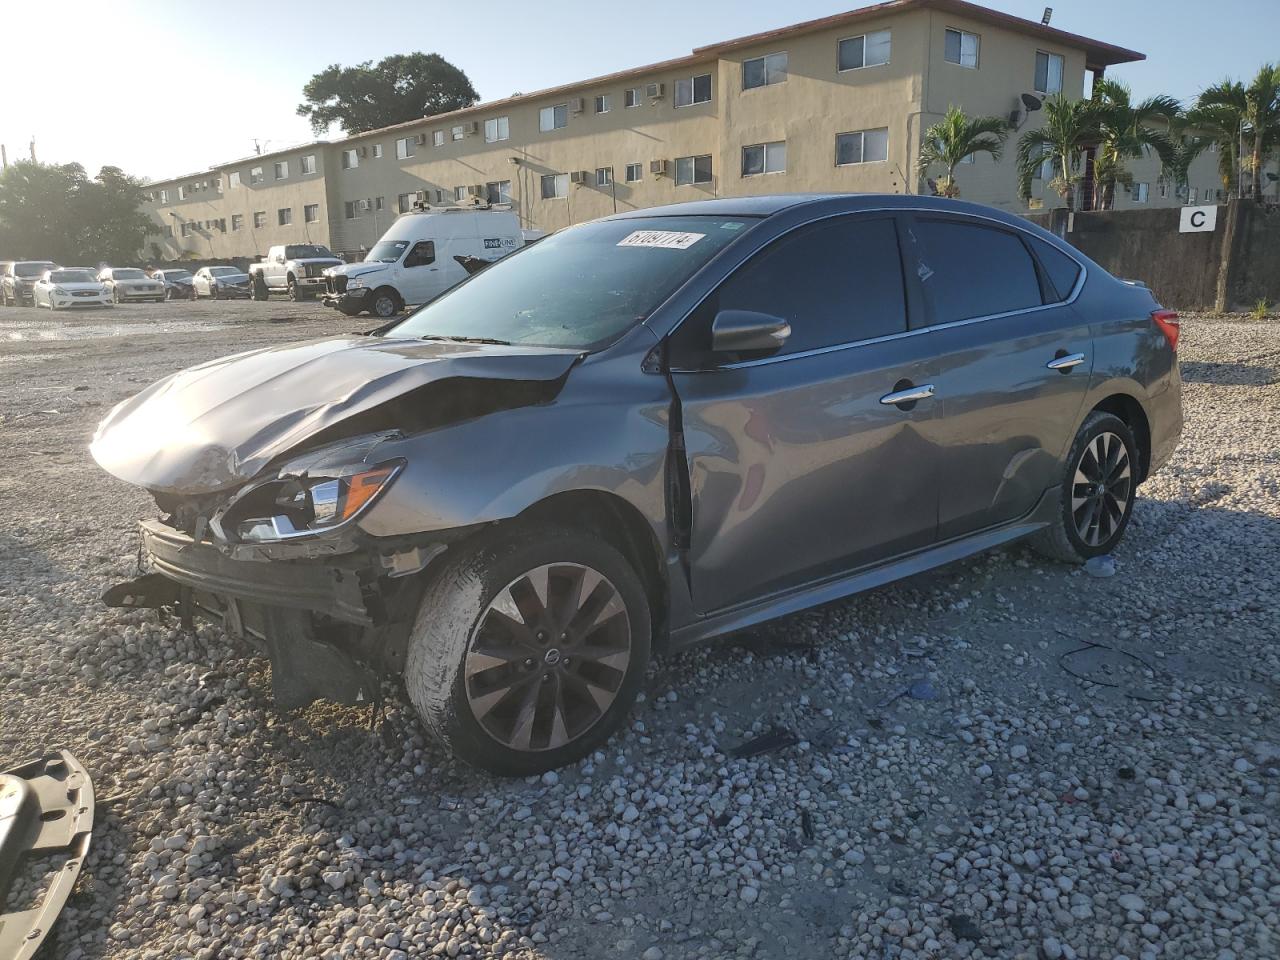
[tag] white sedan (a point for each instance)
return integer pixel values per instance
(221, 283)
(69, 287)
(130, 283)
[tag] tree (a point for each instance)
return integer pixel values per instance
(1127, 133)
(955, 137)
(397, 89)
(1249, 114)
(1186, 142)
(55, 211)
(1069, 126)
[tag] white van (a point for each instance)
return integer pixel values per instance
(422, 255)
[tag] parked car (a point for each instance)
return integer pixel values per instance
(19, 279)
(293, 268)
(643, 432)
(220, 283)
(70, 287)
(420, 257)
(129, 284)
(177, 283)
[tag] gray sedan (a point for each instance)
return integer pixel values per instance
(641, 433)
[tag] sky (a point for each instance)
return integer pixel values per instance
(163, 88)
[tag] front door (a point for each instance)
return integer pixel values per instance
(420, 273)
(797, 470)
(1012, 366)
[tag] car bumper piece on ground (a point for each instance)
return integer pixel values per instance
(46, 811)
(353, 300)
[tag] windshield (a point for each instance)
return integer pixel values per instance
(32, 269)
(128, 274)
(71, 276)
(222, 271)
(386, 251)
(578, 288)
(307, 251)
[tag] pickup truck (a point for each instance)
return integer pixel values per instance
(294, 268)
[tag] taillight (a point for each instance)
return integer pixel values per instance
(1167, 321)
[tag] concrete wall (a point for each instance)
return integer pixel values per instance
(1253, 251)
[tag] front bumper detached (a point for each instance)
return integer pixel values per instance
(355, 299)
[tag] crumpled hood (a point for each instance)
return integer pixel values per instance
(216, 425)
(351, 270)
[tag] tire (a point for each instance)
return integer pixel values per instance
(115, 294)
(294, 295)
(1071, 538)
(448, 681)
(213, 292)
(386, 303)
(4, 297)
(349, 310)
(260, 291)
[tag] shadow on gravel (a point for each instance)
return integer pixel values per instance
(1228, 374)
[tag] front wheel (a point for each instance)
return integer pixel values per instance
(293, 290)
(528, 649)
(1097, 492)
(386, 303)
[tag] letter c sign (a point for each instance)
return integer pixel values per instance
(1198, 219)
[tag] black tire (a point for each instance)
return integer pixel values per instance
(294, 295)
(260, 291)
(1062, 539)
(385, 303)
(453, 608)
(349, 310)
(213, 292)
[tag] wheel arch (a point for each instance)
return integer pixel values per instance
(1129, 409)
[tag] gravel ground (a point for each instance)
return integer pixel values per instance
(1037, 797)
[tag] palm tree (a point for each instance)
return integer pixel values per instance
(956, 137)
(1187, 141)
(1126, 134)
(1069, 126)
(1248, 115)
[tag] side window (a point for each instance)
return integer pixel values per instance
(1062, 271)
(423, 253)
(971, 271)
(835, 282)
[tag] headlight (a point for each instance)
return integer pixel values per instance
(59, 291)
(303, 501)
(355, 283)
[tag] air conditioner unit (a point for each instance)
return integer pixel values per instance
(575, 105)
(422, 196)
(658, 167)
(472, 128)
(421, 139)
(655, 91)
(365, 204)
(578, 176)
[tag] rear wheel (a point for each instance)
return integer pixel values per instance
(529, 648)
(1097, 492)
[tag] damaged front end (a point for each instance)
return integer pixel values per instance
(262, 505)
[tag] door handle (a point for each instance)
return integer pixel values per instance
(1065, 361)
(909, 395)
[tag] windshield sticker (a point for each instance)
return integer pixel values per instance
(730, 226)
(664, 239)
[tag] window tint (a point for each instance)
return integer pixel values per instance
(835, 282)
(1063, 272)
(973, 271)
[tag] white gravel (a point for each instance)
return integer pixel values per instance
(1022, 813)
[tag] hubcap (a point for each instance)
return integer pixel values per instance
(1101, 488)
(548, 657)
(385, 307)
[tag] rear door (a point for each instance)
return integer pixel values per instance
(796, 468)
(1013, 363)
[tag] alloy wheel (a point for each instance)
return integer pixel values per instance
(1101, 489)
(384, 306)
(548, 657)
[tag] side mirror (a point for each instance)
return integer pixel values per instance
(746, 331)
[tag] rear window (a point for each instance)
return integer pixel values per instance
(129, 273)
(32, 269)
(975, 271)
(1063, 272)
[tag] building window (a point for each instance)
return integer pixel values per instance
(1191, 195)
(351, 209)
(237, 222)
(1048, 72)
(1141, 192)
(404, 202)
(164, 196)
(497, 128)
(1163, 187)
(458, 132)
(350, 159)
(764, 158)
(499, 191)
(691, 90)
(631, 98)
(635, 171)
(379, 203)
(404, 148)
(763, 71)
(311, 212)
(284, 216)
(186, 229)
(961, 47)
(282, 170)
(234, 178)
(862, 146)
(168, 231)
(602, 103)
(182, 193)
(1045, 169)
(437, 138)
(459, 194)
(868, 50)
(308, 164)
(259, 219)
(693, 170)
(377, 151)
(255, 175)
(604, 176)
(553, 118)
(555, 186)
(217, 184)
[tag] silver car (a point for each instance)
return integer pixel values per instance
(641, 433)
(129, 285)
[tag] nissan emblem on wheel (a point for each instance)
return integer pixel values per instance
(641, 433)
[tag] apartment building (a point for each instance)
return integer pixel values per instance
(836, 104)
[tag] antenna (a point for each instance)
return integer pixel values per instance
(1048, 15)
(260, 145)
